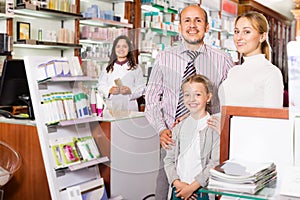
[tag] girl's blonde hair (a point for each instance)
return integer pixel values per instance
(198, 78)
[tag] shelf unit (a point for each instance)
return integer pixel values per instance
(52, 23)
(83, 176)
(98, 34)
(104, 23)
(5, 23)
(45, 13)
(221, 16)
(47, 45)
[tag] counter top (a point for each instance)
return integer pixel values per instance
(27, 122)
(120, 115)
(107, 117)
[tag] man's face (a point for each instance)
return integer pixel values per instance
(193, 25)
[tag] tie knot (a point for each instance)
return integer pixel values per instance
(192, 54)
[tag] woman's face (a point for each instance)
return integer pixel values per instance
(122, 49)
(246, 39)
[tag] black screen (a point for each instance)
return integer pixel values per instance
(13, 84)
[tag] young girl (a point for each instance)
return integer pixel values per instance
(122, 82)
(196, 148)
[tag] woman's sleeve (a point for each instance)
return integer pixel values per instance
(139, 87)
(273, 92)
(103, 83)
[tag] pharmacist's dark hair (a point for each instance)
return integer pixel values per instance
(198, 78)
(113, 56)
(193, 5)
(260, 24)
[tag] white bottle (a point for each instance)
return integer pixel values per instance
(99, 104)
(93, 102)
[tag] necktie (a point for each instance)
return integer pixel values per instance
(189, 71)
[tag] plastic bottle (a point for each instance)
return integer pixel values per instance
(99, 105)
(93, 102)
(40, 34)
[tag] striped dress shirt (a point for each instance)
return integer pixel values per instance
(162, 93)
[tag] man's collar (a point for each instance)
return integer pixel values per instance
(201, 49)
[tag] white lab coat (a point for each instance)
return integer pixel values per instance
(130, 78)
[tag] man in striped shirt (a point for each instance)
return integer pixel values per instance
(164, 85)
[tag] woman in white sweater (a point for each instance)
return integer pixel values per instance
(122, 82)
(256, 82)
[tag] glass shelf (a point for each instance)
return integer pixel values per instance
(189, 1)
(89, 41)
(47, 45)
(164, 9)
(266, 193)
(67, 79)
(72, 122)
(103, 22)
(110, 1)
(88, 163)
(101, 60)
(116, 1)
(34, 11)
(211, 29)
(83, 164)
(5, 16)
(164, 32)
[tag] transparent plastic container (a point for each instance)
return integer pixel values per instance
(10, 162)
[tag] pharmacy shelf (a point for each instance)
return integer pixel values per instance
(67, 79)
(89, 41)
(101, 60)
(109, 1)
(164, 32)
(88, 163)
(117, 1)
(83, 164)
(75, 121)
(104, 23)
(46, 45)
(34, 11)
(164, 9)
(5, 16)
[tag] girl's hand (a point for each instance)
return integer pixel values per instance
(125, 90)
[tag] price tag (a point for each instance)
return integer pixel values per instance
(74, 193)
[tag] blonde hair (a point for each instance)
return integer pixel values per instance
(198, 78)
(260, 24)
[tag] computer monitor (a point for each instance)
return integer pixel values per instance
(14, 90)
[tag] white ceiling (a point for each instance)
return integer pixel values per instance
(282, 6)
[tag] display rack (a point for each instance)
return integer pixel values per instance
(82, 175)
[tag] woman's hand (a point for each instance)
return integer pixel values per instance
(215, 122)
(114, 90)
(125, 90)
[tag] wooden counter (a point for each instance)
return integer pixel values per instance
(30, 181)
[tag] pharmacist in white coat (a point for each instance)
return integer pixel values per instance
(122, 81)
